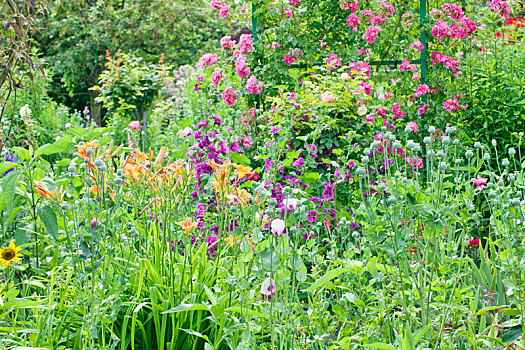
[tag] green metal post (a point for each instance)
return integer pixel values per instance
(254, 23)
(423, 39)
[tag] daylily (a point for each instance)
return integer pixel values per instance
(188, 224)
(82, 149)
(42, 190)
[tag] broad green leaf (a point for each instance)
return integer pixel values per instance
(327, 277)
(49, 219)
(512, 334)
(61, 146)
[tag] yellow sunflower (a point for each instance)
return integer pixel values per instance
(9, 255)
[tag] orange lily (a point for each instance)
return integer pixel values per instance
(42, 190)
(242, 171)
(188, 224)
(82, 149)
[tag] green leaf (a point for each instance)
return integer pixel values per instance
(246, 311)
(49, 218)
(328, 276)
(512, 334)
(240, 159)
(61, 146)
(380, 346)
(5, 166)
(187, 307)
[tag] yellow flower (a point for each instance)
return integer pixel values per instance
(9, 255)
(82, 149)
(242, 170)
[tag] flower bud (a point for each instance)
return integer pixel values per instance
(512, 152)
(89, 151)
(501, 183)
(397, 145)
(273, 202)
(486, 156)
(469, 154)
(427, 140)
(417, 148)
(366, 151)
(365, 160)
(431, 129)
(72, 168)
(505, 162)
(392, 200)
(360, 171)
(458, 161)
(98, 162)
(515, 202)
(440, 154)
(411, 145)
(355, 234)
(477, 145)
(64, 206)
(446, 140)
(443, 166)
(118, 181)
(408, 129)
(103, 167)
(492, 195)
(494, 143)
(456, 142)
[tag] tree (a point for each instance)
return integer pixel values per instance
(78, 33)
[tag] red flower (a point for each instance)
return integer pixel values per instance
(473, 243)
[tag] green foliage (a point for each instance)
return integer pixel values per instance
(78, 34)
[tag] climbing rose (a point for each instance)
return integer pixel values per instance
(371, 34)
(225, 11)
(229, 96)
(227, 43)
(216, 78)
(253, 86)
(353, 21)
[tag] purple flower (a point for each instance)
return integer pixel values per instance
(312, 216)
(275, 130)
(351, 164)
(328, 192)
(234, 147)
(9, 158)
(202, 124)
(298, 162)
(217, 119)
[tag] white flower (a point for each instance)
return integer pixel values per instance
(67, 126)
(345, 76)
(291, 204)
(268, 287)
(232, 199)
(361, 111)
(57, 138)
(25, 111)
(185, 132)
(277, 227)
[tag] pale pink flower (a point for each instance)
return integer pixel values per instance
(479, 182)
(327, 97)
(268, 288)
(134, 125)
(413, 126)
(216, 78)
(225, 11)
(246, 43)
(208, 59)
(277, 227)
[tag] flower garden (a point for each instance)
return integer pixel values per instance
(299, 174)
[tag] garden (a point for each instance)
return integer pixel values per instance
(262, 174)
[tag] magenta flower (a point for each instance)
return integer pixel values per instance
(312, 216)
(371, 34)
(229, 96)
(95, 223)
(479, 182)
